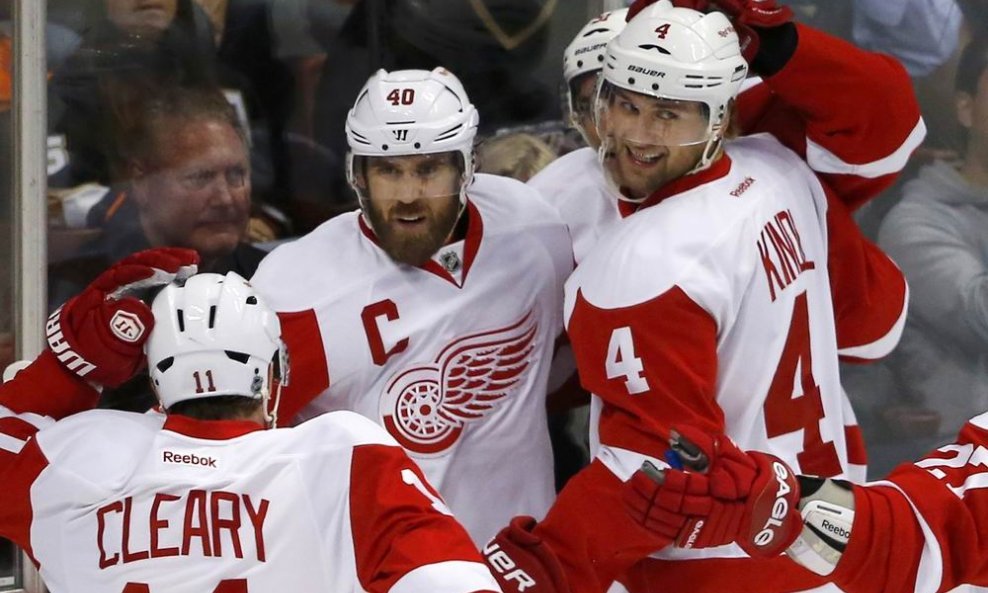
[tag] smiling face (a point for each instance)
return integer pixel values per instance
(412, 202)
(142, 17)
(649, 141)
(194, 189)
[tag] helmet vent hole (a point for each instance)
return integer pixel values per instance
(212, 316)
(165, 364)
(252, 300)
(181, 320)
(600, 58)
(241, 357)
(631, 81)
(418, 145)
(579, 63)
(655, 86)
(384, 147)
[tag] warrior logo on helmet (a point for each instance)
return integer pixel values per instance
(426, 408)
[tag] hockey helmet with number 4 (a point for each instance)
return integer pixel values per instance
(679, 54)
(214, 336)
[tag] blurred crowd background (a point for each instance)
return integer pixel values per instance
(144, 94)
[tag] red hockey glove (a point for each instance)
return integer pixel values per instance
(521, 561)
(100, 333)
(755, 19)
(750, 498)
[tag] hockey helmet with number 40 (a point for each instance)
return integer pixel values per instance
(411, 112)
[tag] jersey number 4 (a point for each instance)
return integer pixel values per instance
(225, 586)
(794, 401)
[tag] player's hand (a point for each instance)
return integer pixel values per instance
(751, 18)
(100, 333)
(522, 561)
(725, 495)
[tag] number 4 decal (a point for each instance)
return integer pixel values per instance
(622, 362)
(794, 401)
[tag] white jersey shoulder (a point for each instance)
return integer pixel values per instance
(561, 175)
(696, 240)
(294, 273)
(577, 188)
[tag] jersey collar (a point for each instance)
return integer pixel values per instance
(214, 430)
(471, 245)
(720, 168)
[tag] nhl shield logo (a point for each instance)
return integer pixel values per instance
(127, 326)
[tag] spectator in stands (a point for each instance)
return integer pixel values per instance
(190, 187)
(938, 234)
(516, 155)
(126, 47)
(189, 170)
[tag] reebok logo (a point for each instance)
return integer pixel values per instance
(780, 508)
(60, 348)
(743, 187)
(187, 459)
(836, 530)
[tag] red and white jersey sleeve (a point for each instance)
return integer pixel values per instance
(925, 528)
(453, 364)
(713, 307)
(142, 503)
(34, 399)
(850, 113)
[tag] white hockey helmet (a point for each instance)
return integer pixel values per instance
(408, 112)
(586, 52)
(680, 54)
(213, 336)
(585, 55)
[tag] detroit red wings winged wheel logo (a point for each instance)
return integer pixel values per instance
(425, 408)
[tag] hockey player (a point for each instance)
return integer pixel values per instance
(923, 528)
(857, 159)
(434, 309)
(202, 498)
(715, 302)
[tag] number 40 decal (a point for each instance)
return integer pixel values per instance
(401, 97)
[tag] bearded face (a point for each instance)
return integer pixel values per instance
(412, 202)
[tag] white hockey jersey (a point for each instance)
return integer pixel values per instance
(711, 307)
(451, 358)
(575, 186)
(119, 502)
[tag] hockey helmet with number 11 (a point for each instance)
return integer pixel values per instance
(213, 336)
